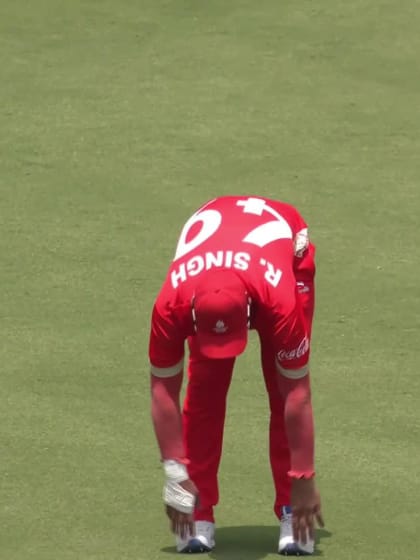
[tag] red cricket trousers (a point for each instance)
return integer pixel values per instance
(205, 407)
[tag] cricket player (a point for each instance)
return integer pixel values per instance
(241, 263)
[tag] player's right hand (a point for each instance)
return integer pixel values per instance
(180, 496)
(181, 515)
(306, 509)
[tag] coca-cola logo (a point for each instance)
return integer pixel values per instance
(303, 347)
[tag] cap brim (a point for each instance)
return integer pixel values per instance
(218, 347)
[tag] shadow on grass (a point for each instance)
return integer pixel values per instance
(249, 542)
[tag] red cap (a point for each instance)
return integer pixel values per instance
(221, 315)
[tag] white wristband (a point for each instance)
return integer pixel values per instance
(178, 498)
(174, 471)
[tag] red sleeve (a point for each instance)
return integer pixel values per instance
(166, 344)
(291, 334)
(166, 352)
(292, 356)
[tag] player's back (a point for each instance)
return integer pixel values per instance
(222, 221)
(252, 235)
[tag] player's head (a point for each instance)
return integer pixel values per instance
(221, 314)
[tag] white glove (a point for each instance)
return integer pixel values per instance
(174, 494)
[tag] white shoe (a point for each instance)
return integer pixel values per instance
(203, 541)
(287, 544)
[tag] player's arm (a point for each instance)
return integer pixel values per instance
(166, 349)
(299, 423)
(179, 492)
(166, 354)
(292, 362)
(166, 414)
(294, 385)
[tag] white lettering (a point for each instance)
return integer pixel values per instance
(178, 276)
(210, 222)
(195, 265)
(271, 231)
(214, 259)
(252, 205)
(268, 232)
(273, 275)
(295, 353)
(241, 261)
(199, 263)
(228, 259)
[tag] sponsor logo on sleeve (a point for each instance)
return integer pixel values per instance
(285, 354)
(302, 287)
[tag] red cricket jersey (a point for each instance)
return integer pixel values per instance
(260, 240)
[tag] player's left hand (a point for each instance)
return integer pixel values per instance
(306, 509)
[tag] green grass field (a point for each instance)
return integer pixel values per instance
(117, 120)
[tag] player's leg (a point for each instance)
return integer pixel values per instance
(203, 419)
